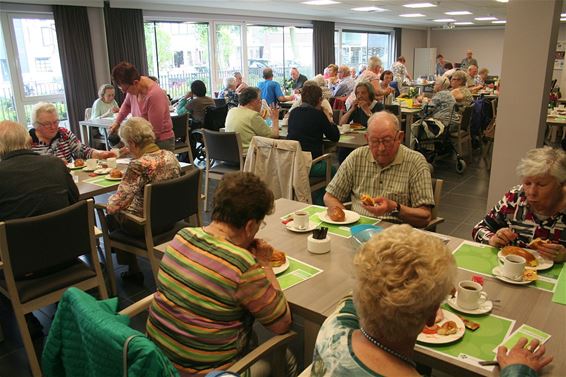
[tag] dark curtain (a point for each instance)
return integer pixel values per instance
(323, 43)
(77, 64)
(397, 51)
(125, 39)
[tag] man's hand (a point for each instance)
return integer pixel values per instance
(530, 356)
(554, 251)
(274, 114)
(502, 237)
(382, 206)
(262, 251)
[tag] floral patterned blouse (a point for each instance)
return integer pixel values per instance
(513, 212)
(153, 166)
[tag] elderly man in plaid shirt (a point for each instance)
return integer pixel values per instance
(396, 177)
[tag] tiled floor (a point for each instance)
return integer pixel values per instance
(463, 204)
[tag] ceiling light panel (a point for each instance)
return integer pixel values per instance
(369, 9)
(444, 20)
(499, 22)
(458, 13)
(420, 5)
(462, 23)
(486, 18)
(411, 15)
(321, 2)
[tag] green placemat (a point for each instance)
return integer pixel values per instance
(296, 273)
(480, 343)
(101, 181)
(482, 259)
(338, 230)
(560, 292)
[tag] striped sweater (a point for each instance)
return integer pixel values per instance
(64, 145)
(208, 293)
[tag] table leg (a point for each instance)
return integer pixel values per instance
(408, 122)
(83, 134)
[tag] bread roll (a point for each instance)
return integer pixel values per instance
(336, 214)
(534, 244)
(514, 250)
(115, 173)
(79, 162)
(278, 258)
(448, 328)
(367, 200)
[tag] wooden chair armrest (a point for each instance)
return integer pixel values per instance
(137, 307)
(265, 348)
(100, 206)
(326, 156)
(431, 226)
(134, 218)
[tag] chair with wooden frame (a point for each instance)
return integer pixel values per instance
(168, 206)
(274, 348)
(40, 259)
(437, 193)
(462, 134)
(181, 130)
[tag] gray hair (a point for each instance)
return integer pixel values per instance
(41, 107)
(137, 130)
(442, 83)
(13, 137)
(248, 95)
(229, 81)
(319, 79)
(388, 117)
(541, 161)
(103, 88)
(373, 62)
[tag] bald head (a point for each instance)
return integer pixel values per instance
(384, 137)
(383, 119)
(13, 137)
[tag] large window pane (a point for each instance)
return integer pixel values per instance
(357, 47)
(178, 55)
(299, 50)
(228, 52)
(265, 49)
(378, 45)
(7, 104)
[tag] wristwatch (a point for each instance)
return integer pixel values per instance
(397, 210)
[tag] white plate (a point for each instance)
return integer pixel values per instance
(282, 268)
(291, 226)
(442, 339)
(108, 177)
(73, 167)
(89, 170)
(102, 171)
(484, 308)
(543, 264)
(351, 217)
(497, 273)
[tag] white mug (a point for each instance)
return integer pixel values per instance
(91, 163)
(301, 220)
(111, 162)
(470, 295)
(513, 267)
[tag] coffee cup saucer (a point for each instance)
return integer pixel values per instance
(291, 226)
(484, 307)
(498, 275)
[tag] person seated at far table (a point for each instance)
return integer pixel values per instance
(219, 277)
(481, 77)
(368, 336)
(346, 84)
(471, 83)
(195, 102)
(298, 78)
(461, 94)
(324, 105)
(363, 106)
(240, 84)
(394, 176)
(47, 138)
(229, 93)
(149, 164)
(534, 209)
(105, 105)
(387, 90)
(271, 90)
(247, 121)
(332, 76)
(370, 74)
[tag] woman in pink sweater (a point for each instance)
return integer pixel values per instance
(144, 98)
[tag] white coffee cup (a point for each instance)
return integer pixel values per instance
(301, 220)
(316, 246)
(470, 295)
(91, 163)
(346, 127)
(513, 267)
(111, 162)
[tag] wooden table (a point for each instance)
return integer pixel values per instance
(316, 298)
(555, 129)
(409, 114)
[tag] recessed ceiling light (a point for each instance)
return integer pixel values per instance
(458, 13)
(563, 15)
(444, 20)
(563, 19)
(502, 1)
(499, 22)
(412, 15)
(463, 23)
(485, 18)
(369, 9)
(419, 5)
(321, 2)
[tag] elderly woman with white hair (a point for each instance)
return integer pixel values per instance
(534, 209)
(105, 105)
(50, 139)
(460, 92)
(371, 74)
(229, 92)
(149, 164)
(374, 332)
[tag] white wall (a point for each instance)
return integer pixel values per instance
(411, 39)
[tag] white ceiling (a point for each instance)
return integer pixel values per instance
(336, 12)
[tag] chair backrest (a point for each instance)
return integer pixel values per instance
(88, 113)
(41, 244)
(437, 193)
(219, 102)
(215, 117)
(223, 146)
(181, 127)
(466, 118)
(168, 202)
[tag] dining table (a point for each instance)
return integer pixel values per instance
(555, 128)
(313, 300)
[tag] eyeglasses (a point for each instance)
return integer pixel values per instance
(386, 141)
(54, 123)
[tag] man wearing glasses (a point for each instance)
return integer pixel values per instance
(394, 176)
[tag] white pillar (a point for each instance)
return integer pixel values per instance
(528, 56)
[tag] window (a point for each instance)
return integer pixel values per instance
(353, 48)
(177, 54)
(265, 49)
(228, 52)
(299, 50)
(29, 58)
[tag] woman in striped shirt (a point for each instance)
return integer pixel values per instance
(215, 280)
